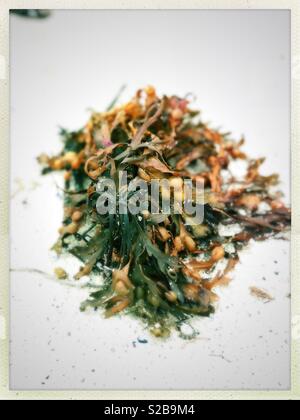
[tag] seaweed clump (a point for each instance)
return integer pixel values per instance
(159, 266)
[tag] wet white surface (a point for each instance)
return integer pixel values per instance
(59, 67)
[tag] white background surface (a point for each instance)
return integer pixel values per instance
(237, 63)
